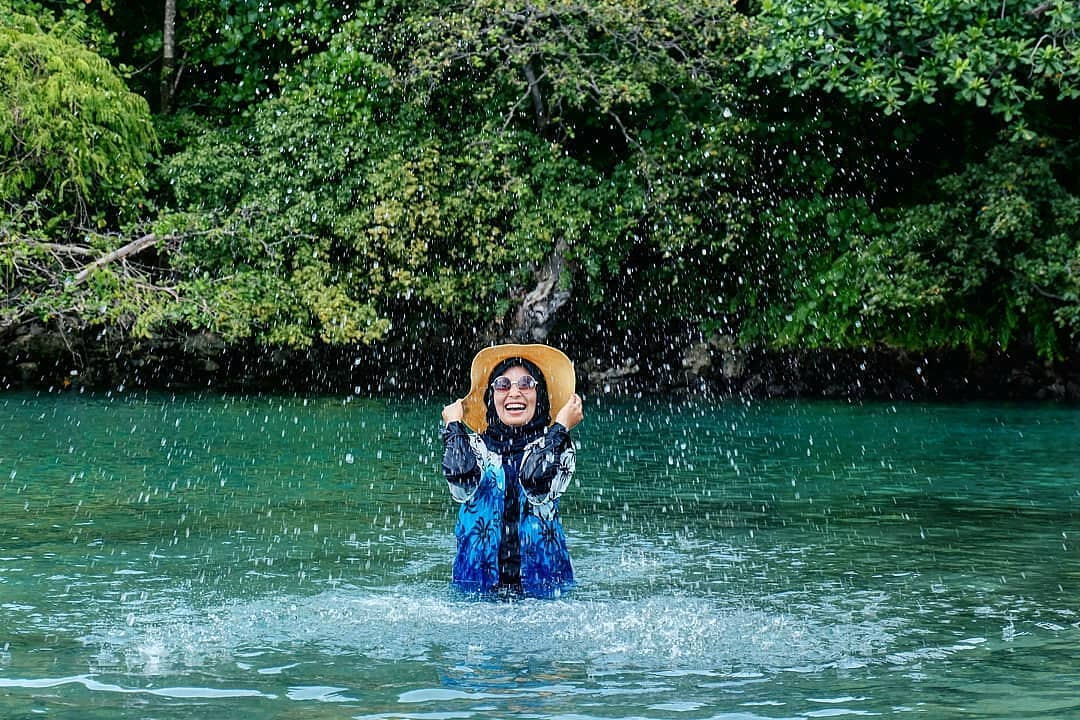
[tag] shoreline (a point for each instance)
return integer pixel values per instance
(43, 359)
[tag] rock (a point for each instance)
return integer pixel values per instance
(732, 360)
(204, 345)
(29, 372)
(752, 384)
(606, 379)
(697, 360)
(1072, 391)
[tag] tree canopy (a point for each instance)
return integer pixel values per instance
(75, 143)
(828, 173)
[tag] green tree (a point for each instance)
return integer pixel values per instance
(229, 55)
(935, 185)
(75, 146)
(364, 213)
(407, 185)
(74, 143)
(1005, 57)
(643, 93)
(995, 263)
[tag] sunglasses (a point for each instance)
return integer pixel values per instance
(503, 383)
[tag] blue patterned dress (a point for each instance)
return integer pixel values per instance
(508, 531)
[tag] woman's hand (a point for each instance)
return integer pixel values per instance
(453, 412)
(571, 413)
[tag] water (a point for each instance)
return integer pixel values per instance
(206, 557)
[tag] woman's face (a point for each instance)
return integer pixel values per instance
(515, 406)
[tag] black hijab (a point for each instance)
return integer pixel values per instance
(508, 439)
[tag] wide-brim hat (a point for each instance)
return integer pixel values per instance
(557, 369)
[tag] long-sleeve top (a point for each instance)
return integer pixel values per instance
(508, 530)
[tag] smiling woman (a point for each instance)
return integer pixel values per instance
(509, 476)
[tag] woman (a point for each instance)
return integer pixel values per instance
(509, 476)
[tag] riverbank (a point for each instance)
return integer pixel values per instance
(43, 358)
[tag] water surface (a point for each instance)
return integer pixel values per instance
(198, 556)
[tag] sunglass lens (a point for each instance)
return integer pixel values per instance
(503, 383)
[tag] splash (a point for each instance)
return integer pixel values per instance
(680, 633)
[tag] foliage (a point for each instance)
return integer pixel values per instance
(570, 64)
(362, 221)
(388, 212)
(74, 19)
(894, 54)
(955, 202)
(75, 146)
(995, 261)
(642, 92)
(232, 52)
(74, 143)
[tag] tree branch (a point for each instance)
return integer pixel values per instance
(1040, 10)
(133, 247)
(53, 247)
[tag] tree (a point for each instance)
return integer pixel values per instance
(169, 76)
(230, 54)
(995, 261)
(642, 93)
(74, 143)
(947, 223)
(365, 215)
(346, 210)
(74, 151)
(1006, 57)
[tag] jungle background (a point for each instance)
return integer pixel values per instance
(828, 197)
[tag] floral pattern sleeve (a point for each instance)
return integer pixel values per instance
(462, 452)
(548, 466)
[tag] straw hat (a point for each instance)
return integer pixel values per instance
(557, 369)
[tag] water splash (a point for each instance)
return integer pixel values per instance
(431, 624)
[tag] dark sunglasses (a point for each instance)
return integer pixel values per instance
(503, 383)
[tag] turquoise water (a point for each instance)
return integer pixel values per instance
(206, 557)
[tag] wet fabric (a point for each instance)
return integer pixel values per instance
(508, 531)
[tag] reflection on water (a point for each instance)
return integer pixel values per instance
(180, 557)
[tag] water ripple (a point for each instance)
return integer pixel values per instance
(90, 683)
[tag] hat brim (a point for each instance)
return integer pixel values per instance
(557, 369)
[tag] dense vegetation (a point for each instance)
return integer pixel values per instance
(819, 174)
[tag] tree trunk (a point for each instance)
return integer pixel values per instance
(537, 100)
(168, 57)
(534, 317)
